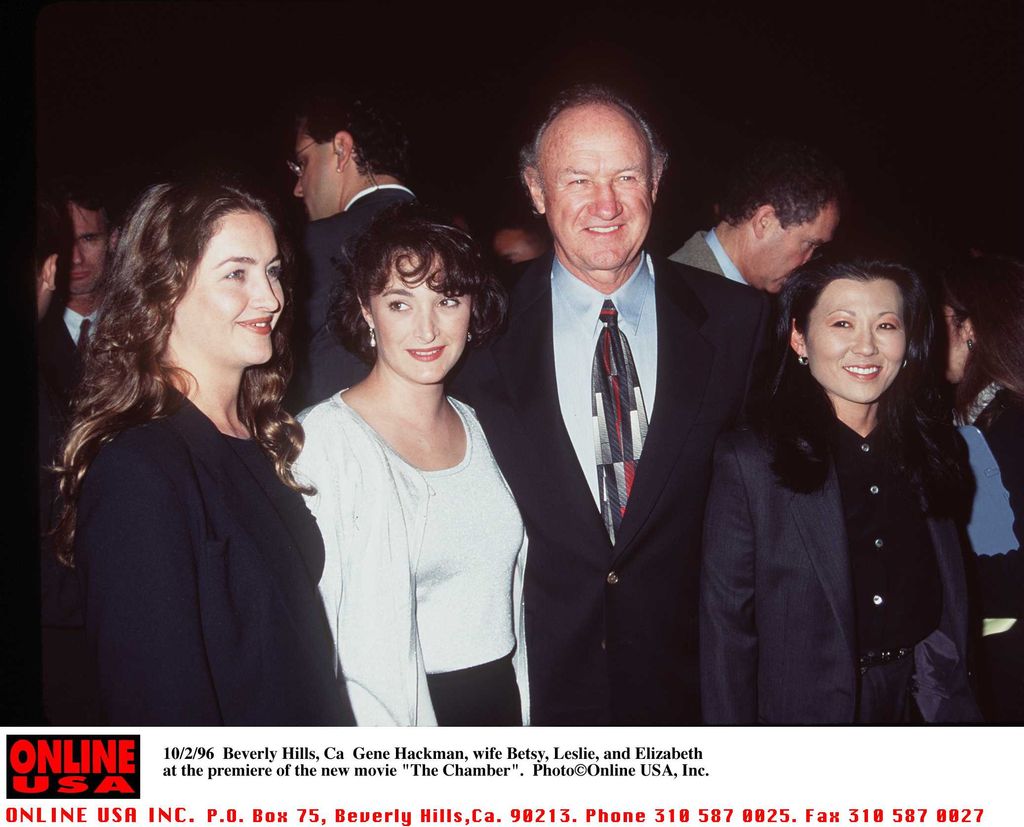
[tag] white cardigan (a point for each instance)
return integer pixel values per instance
(372, 511)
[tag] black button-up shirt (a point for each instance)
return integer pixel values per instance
(896, 587)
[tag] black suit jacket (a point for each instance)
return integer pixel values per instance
(201, 602)
(323, 366)
(611, 631)
(778, 631)
(59, 361)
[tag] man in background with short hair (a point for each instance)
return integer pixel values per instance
(351, 161)
(781, 204)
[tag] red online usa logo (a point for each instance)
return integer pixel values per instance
(72, 766)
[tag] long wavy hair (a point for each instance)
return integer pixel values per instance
(127, 379)
(990, 292)
(799, 416)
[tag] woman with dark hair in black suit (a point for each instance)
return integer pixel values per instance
(984, 310)
(832, 587)
(199, 558)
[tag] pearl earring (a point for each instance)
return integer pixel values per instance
(802, 360)
(373, 338)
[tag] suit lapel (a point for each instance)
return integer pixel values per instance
(684, 370)
(244, 500)
(820, 521)
(525, 358)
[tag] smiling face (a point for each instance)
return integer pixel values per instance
(855, 343)
(595, 184)
(420, 333)
(223, 323)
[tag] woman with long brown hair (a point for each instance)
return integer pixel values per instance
(199, 558)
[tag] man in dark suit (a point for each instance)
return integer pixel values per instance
(65, 327)
(780, 204)
(351, 158)
(602, 402)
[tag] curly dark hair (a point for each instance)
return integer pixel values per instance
(797, 180)
(127, 380)
(594, 95)
(380, 143)
(990, 292)
(799, 416)
(409, 241)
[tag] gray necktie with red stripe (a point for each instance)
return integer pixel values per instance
(620, 419)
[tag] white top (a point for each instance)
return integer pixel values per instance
(467, 562)
(373, 510)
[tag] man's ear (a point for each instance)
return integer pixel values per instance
(797, 340)
(763, 221)
(531, 177)
(48, 273)
(342, 146)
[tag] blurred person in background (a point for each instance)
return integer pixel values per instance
(780, 204)
(351, 160)
(984, 311)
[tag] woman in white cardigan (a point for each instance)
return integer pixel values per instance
(425, 546)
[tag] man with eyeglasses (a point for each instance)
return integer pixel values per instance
(780, 205)
(351, 158)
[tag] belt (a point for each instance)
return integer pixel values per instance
(870, 659)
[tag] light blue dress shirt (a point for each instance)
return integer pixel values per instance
(575, 317)
(729, 270)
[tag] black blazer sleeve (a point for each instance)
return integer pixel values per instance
(136, 549)
(728, 631)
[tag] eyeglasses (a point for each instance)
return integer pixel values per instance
(299, 166)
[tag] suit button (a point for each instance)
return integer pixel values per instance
(877, 600)
(612, 578)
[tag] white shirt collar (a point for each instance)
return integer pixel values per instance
(374, 188)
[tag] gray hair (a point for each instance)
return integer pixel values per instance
(587, 95)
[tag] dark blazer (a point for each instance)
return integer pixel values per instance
(201, 602)
(777, 617)
(612, 631)
(59, 361)
(323, 366)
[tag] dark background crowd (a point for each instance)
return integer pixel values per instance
(918, 104)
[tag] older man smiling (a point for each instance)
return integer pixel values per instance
(601, 403)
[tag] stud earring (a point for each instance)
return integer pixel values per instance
(970, 344)
(802, 360)
(373, 338)
(469, 337)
